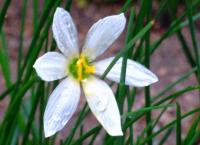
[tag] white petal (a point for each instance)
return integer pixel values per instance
(136, 74)
(102, 34)
(65, 32)
(61, 106)
(102, 102)
(51, 66)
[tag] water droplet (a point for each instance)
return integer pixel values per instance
(101, 103)
(68, 25)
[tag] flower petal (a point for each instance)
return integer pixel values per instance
(51, 66)
(102, 34)
(61, 106)
(65, 32)
(102, 102)
(136, 74)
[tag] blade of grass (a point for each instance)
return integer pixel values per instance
(126, 6)
(172, 96)
(192, 130)
(21, 35)
(134, 116)
(35, 16)
(46, 12)
(186, 49)
(14, 105)
(193, 36)
(122, 88)
(165, 136)
(154, 122)
(68, 5)
(4, 60)
(176, 25)
(8, 91)
(178, 125)
(3, 12)
(86, 135)
(148, 7)
(173, 84)
(177, 93)
(40, 91)
(170, 125)
(145, 109)
(93, 138)
(195, 138)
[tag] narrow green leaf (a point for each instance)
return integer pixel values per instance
(169, 125)
(165, 136)
(178, 125)
(3, 12)
(4, 60)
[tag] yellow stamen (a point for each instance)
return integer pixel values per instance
(80, 68)
(90, 69)
(83, 67)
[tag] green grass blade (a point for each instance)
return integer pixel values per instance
(35, 16)
(126, 6)
(192, 130)
(44, 19)
(172, 123)
(4, 60)
(177, 93)
(10, 114)
(122, 88)
(165, 136)
(3, 12)
(148, 7)
(21, 35)
(40, 91)
(173, 84)
(178, 125)
(193, 36)
(86, 135)
(186, 49)
(195, 139)
(7, 92)
(145, 109)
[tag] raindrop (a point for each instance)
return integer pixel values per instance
(101, 103)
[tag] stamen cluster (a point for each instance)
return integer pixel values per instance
(80, 68)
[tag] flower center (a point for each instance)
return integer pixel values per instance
(80, 68)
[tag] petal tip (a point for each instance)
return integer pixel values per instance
(59, 9)
(149, 82)
(154, 79)
(48, 132)
(35, 65)
(122, 16)
(116, 133)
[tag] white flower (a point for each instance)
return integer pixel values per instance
(79, 70)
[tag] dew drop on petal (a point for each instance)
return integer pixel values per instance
(101, 102)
